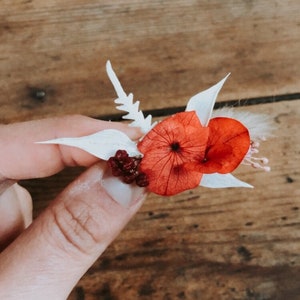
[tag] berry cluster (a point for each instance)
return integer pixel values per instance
(122, 165)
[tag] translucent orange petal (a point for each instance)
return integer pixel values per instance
(166, 177)
(228, 143)
(164, 162)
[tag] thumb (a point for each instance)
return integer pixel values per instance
(47, 259)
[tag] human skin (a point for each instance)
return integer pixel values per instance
(44, 259)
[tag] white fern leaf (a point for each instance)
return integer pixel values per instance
(125, 103)
(132, 110)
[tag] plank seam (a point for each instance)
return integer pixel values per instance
(161, 112)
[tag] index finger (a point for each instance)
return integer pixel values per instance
(21, 158)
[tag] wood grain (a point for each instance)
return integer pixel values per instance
(53, 53)
(203, 244)
(208, 244)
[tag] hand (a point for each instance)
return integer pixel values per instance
(45, 260)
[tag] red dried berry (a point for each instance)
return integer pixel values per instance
(142, 180)
(129, 164)
(128, 178)
(121, 155)
(128, 168)
(113, 163)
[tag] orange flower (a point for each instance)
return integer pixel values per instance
(227, 145)
(178, 151)
(171, 151)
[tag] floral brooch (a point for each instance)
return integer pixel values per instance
(185, 150)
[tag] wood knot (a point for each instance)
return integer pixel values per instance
(37, 94)
(244, 253)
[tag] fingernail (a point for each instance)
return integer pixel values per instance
(5, 184)
(123, 193)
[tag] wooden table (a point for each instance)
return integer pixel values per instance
(201, 244)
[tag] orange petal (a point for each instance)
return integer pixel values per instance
(228, 143)
(171, 144)
(166, 178)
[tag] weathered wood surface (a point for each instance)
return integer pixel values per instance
(208, 244)
(205, 244)
(53, 53)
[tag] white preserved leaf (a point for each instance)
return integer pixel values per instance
(217, 180)
(126, 103)
(203, 102)
(102, 144)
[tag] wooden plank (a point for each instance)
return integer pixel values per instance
(208, 244)
(53, 53)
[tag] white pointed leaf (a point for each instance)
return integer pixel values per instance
(217, 180)
(102, 144)
(203, 102)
